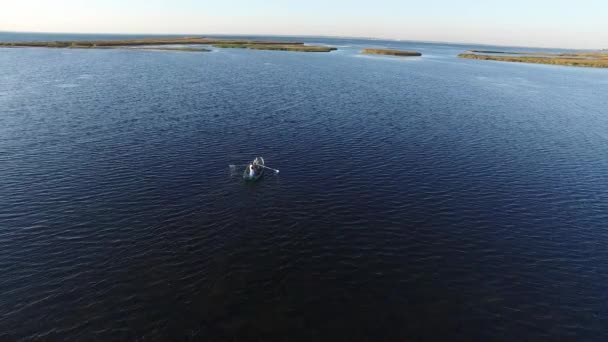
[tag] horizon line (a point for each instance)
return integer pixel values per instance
(303, 36)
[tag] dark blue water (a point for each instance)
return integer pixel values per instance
(423, 198)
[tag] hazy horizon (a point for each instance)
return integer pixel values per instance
(554, 24)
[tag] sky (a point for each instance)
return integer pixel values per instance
(539, 23)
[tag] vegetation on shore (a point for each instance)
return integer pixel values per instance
(151, 48)
(391, 52)
(544, 54)
(275, 47)
(142, 42)
(183, 49)
(218, 43)
(492, 51)
(591, 60)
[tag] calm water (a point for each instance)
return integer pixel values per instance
(418, 198)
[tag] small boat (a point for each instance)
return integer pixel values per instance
(258, 167)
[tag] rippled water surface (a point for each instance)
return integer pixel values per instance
(419, 198)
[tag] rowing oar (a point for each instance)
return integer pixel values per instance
(266, 167)
(269, 168)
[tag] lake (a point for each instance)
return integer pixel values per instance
(420, 198)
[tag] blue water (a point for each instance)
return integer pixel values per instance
(423, 198)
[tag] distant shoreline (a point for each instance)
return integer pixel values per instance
(387, 52)
(312, 36)
(597, 59)
(134, 43)
(589, 59)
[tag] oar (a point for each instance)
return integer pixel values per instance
(269, 168)
(232, 166)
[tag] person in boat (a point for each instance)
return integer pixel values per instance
(252, 170)
(256, 165)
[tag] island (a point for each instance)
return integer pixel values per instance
(391, 52)
(163, 48)
(276, 47)
(493, 51)
(158, 44)
(583, 59)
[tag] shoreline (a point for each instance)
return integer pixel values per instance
(254, 44)
(389, 52)
(221, 36)
(587, 59)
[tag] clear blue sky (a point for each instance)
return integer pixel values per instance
(552, 23)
